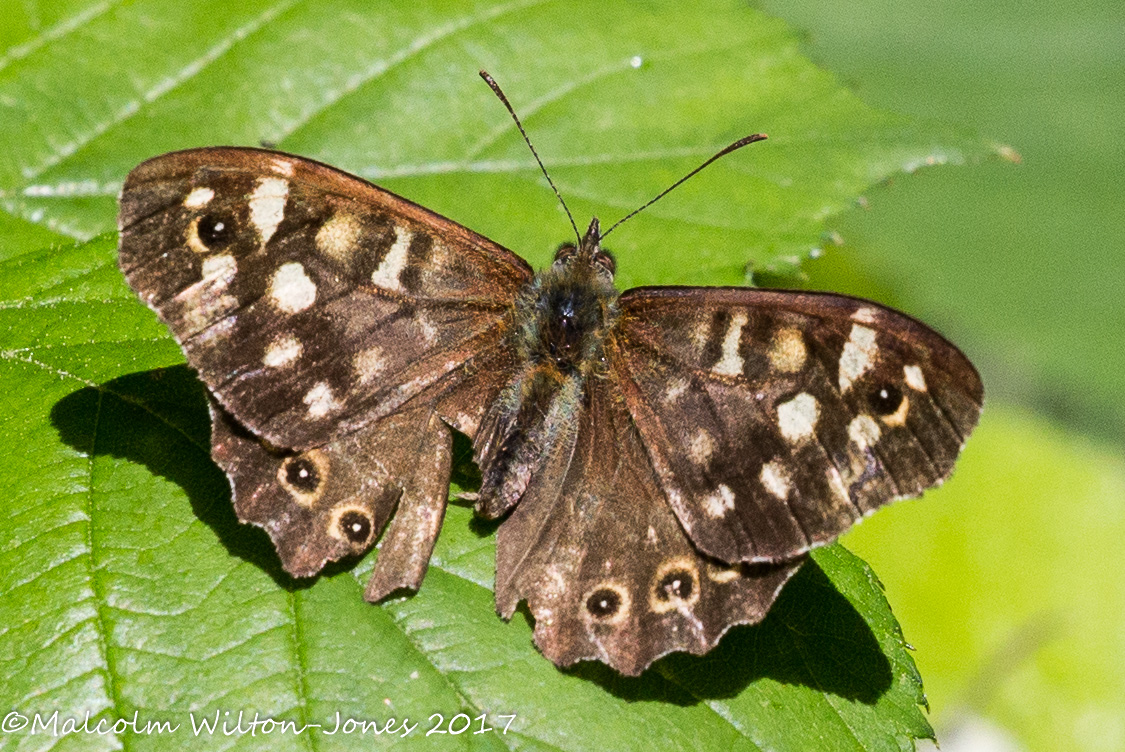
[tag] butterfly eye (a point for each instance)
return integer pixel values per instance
(355, 526)
(215, 230)
(885, 399)
(606, 261)
(565, 252)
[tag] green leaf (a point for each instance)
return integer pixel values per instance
(1007, 582)
(126, 584)
(620, 100)
(129, 586)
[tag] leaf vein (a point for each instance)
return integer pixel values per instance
(133, 107)
(56, 32)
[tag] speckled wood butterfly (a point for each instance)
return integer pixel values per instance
(664, 456)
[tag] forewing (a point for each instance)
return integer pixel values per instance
(776, 419)
(605, 568)
(311, 302)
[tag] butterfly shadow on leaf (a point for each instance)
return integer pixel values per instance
(159, 419)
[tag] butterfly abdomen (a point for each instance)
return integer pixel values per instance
(521, 430)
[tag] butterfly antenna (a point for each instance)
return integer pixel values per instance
(500, 94)
(733, 147)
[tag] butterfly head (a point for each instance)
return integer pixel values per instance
(570, 306)
(589, 254)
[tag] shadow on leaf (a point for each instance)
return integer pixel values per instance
(159, 419)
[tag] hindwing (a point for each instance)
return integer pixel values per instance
(602, 562)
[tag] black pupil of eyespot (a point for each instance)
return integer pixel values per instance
(676, 584)
(355, 526)
(885, 399)
(602, 603)
(215, 230)
(301, 474)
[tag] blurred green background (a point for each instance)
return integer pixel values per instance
(1008, 581)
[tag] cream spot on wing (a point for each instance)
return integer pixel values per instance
(283, 166)
(701, 448)
(554, 585)
(412, 387)
(675, 390)
(865, 315)
(719, 502)
(730, 364)
(282, 351)
(199, 198)
(267, 206)
(465, 423)
(788, 353)
(369, 363)
(722, 576)
(291, 289)
(206, 301)
(700, 333)
(321, 400)
(797, 417)
(219, 270)
(651, 538)
(914, 378)
(836, 483)
(386, 276)
(775, 479)
(440, 255)
(863, 431)
(337, 237)
(858, 356)
(427, 329)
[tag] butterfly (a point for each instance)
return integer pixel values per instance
(663, 458)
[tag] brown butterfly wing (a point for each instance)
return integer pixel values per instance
(776, 419)
(330, 501)
(604, 565)
(338, 329)
(310, 301)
